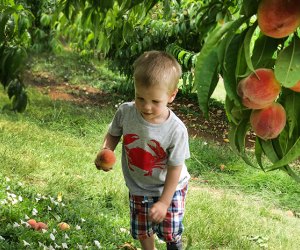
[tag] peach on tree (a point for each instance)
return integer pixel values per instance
(268, 123)
(259, 89)
(278, 18)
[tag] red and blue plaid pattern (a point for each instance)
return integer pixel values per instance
(169, 230)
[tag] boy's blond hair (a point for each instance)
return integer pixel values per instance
(157, 67)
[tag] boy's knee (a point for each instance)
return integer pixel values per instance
(174, 245)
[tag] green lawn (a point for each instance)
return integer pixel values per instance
(47, 173)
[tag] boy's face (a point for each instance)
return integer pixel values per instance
(152, 102)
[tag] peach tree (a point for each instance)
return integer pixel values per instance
(258, 57)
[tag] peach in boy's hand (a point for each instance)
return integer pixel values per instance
(105, 159)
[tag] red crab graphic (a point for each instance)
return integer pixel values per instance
(143, 159)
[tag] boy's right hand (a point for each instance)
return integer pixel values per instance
(105, 160)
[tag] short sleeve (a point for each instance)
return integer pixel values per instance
(179, 148)
(116, 126)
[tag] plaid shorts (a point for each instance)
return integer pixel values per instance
(169, 230)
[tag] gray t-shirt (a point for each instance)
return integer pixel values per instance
(149, 148)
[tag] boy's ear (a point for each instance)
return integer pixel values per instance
(173, 95)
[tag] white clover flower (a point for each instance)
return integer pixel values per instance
(16, 224)
(2, 238)
(20, 183)
(52, 237)
(26, 217)
(66, 236)
(82, 220)
(79, 246)
(7, 179)
(10, 196)
(42, 245)
(49, 208)
(8, 188)
(26, 243)
(97, 243)
(14, 201)
(37, 199)
(23, 222)
(20, 198)
(78, 227)
(51, 247)
(64, 245)
(34, 211)
(44, 230)
(56, 246)
(3, 202)
(124, 230)
(54, 231)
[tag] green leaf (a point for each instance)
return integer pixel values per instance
(229, 69)
(205, 78)
(287, 66)
(259, 153)
(237, 136)
(230, 108)
(268, 149)
(247, 46)
(249, 7)
(207, 61)
(264, 50)
(292, 108)
(289, 157)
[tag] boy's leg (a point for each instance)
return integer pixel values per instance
(171, 229)
(148, 243)
(141, 228)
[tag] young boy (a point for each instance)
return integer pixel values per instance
(155, 147)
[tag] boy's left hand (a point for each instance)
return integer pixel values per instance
(158, 212)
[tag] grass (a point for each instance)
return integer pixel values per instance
(47, 173)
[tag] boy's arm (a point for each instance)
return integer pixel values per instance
(159, 209)
(111, 141)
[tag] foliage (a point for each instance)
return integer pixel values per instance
(210, 39)
(14, 42)
(241, 48)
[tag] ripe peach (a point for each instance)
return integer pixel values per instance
(63, 226)
(268, 122)
(105, 159)
(259, 89)
(32, 223)
(41, 225)
(296, 87)
(278, 18)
